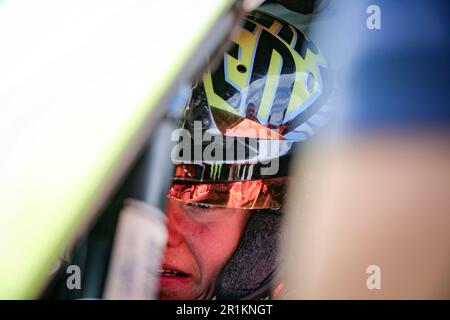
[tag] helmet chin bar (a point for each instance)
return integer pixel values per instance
(250, 270)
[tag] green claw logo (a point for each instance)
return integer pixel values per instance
(215, 171)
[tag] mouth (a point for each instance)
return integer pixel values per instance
(171, 273)
(168, 275)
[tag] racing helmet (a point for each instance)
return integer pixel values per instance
(245, 118)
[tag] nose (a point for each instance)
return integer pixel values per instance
(174, 225)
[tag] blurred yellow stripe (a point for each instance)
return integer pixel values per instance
(77, 86)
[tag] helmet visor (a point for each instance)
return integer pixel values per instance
(250, 194)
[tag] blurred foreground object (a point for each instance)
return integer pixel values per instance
(369, 216)
(374, 201)
(78, 89)
(137, 255)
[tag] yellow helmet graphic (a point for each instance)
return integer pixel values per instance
(269, 86)
(274, 75)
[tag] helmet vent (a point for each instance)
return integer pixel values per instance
(241, 68)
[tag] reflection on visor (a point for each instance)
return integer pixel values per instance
(252, 194)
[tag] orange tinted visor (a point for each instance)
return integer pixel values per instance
(251, 194)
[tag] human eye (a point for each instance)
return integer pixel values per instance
(206, 213)
(198, 208)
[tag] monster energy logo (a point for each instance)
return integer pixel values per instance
(211, 151)
(215, 170)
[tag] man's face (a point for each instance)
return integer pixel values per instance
(200, 243)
